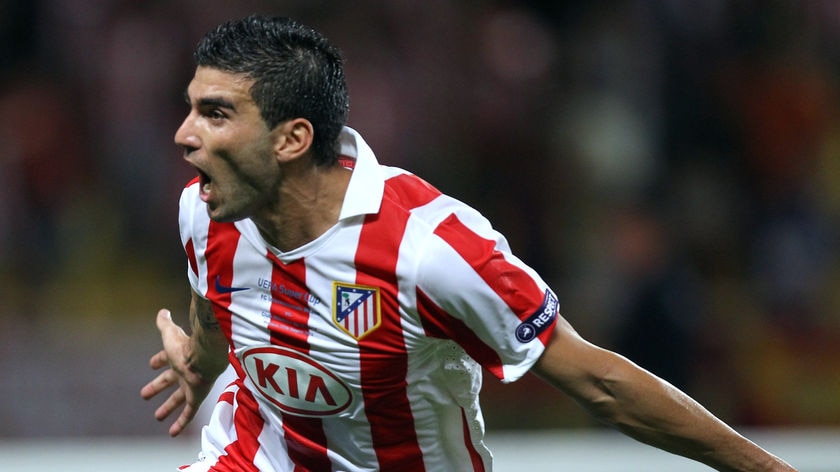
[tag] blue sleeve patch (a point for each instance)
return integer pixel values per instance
(540, 320)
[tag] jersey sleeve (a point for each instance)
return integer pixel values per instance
(472, 289)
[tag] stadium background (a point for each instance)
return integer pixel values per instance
(671, 167)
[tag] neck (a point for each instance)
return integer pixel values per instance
(308, 204)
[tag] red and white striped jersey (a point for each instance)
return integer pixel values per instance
(361, 350)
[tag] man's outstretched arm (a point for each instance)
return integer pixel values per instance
(645, 407)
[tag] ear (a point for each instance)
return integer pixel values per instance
(293, 138)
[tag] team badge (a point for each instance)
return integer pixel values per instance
(356, 308)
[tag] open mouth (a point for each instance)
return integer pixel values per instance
(206, 183)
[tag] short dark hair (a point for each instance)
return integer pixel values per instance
(297, 73)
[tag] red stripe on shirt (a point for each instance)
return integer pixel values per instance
(189, 248)
(239, 455)
(511, 283)
(410, 191)
(222, 240)
(226, 397)
(440, 324)
(382, 353)
(307, 443)
(289, 327)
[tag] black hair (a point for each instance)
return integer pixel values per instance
(297, 73)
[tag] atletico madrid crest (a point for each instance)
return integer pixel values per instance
(356, 308)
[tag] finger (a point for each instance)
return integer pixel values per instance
(176, 428)
(169, 330)
(161, 359)
(184, 419)
(158, 384)
(171, 404)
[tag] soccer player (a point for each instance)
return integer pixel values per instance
(355, 302)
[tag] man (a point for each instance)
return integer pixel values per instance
(354, 301)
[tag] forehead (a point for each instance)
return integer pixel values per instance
(209, 82)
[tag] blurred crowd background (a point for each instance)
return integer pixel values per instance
(671, 167)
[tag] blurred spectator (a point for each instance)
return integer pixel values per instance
(45, 168)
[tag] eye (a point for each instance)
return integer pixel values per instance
(215, 114)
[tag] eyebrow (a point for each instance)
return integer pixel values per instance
(210, 101)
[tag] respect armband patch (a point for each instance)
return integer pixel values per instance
(535, 324)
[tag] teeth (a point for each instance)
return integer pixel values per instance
(206, 188)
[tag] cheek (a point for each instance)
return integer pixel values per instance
(254, 170)
(244, 158)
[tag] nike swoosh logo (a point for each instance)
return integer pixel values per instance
(224, 289)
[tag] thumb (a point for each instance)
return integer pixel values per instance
(164, 319)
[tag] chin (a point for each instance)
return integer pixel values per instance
(220, 216)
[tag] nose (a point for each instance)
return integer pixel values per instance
(186, 137)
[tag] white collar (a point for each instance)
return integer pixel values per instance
(363, 196)
(367, 184)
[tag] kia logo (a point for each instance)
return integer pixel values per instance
(294, 382)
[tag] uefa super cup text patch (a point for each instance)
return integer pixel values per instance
(540, 320)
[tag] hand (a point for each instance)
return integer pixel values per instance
(191, 387)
